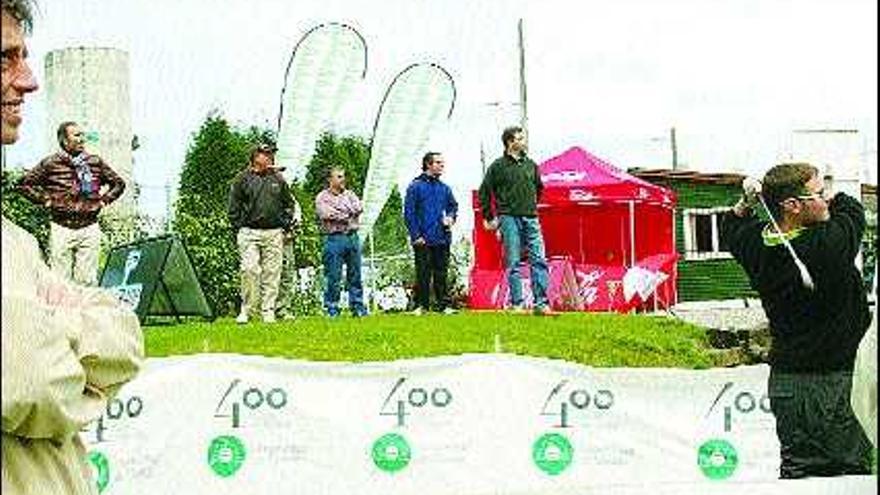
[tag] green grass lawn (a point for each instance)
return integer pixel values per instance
(607, 340)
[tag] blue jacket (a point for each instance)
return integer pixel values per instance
(427, 198)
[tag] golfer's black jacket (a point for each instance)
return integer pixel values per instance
(812, 331)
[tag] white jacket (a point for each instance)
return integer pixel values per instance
(66, 351)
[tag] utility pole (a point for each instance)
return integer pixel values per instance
(524, 119)
(168, 206)
(674, 148)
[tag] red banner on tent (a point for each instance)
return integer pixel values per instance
(584, 287)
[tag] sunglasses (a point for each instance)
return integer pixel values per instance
(820, 194)
(265, 148)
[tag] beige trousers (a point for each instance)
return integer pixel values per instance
(261, 253)
(73, 253)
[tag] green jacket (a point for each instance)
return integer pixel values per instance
(515, 185)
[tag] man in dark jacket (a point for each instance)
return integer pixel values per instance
(74, 186)
(514, 182)
(261, 208)
(817, 318)
(430, 211)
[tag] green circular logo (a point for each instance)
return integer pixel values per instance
(101, 469)
(226, 454)
(391, 453)
(717, 459)
(552, 453)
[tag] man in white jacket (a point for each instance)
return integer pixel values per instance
(66, 350)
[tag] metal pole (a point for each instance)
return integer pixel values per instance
(632, 234)
(674, 265)
(372, 273)
(524, 119)
(674, 149)
(482, 158)
(168, 206)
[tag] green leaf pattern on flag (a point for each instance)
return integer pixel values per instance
(324, 67)
(421, 97)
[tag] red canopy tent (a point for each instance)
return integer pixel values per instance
(609, 239)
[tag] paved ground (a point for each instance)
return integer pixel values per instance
(752, 318)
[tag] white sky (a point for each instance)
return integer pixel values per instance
(734, 77)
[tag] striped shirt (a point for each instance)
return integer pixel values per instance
(338, 213)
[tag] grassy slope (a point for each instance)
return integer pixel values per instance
(591, 339)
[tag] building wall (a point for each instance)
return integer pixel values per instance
(703, 280)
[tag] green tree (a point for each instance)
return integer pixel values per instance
(216, 155)
(352, 153)
(20, 210)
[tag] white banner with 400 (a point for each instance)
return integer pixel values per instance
(474, 424)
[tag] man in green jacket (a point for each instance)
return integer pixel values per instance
(514, 183)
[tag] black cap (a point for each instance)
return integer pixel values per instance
(266, 148)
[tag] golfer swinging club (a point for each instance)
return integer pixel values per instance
(802, 263)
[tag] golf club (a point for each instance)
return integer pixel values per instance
(802, 268)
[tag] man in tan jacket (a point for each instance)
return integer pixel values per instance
(66, 350)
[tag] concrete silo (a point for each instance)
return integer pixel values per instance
(90, 85)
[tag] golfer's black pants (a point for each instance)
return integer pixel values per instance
(818, 432)
(431, 265)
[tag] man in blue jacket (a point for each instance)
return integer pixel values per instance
(430, 210)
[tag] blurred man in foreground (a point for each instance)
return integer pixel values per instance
(66, 349)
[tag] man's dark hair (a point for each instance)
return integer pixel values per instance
(509, 133)
(428, 159)
(786, 180)
(61, 133)
(262, 148)
(22, 11)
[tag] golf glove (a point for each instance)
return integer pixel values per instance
(751, 189)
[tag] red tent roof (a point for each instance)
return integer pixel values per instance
(578, 176)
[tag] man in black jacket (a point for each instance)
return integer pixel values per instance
(260, 210)
(514, 182)
(815, 330)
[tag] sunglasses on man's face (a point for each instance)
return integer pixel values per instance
(820, 194)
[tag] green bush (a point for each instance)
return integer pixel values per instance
(20, 210)
(216, 155)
